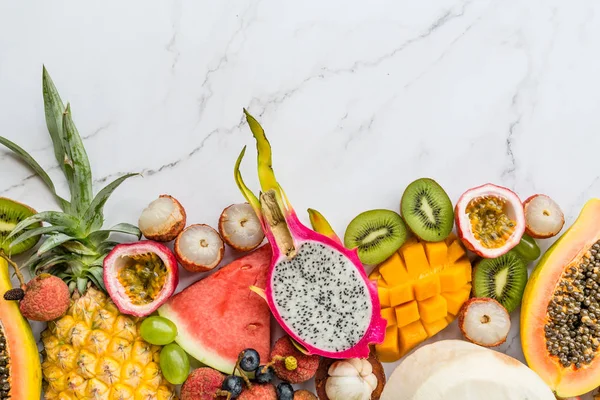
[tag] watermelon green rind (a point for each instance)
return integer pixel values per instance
(220, 316)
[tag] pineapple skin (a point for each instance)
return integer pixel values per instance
(95, 352)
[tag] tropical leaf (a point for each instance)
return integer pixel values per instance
(51, 262)
(54, 241)
(129, 229)
(94, 216)
(96, 275)
(23, 155)
(51, 217)
(36, 232)
(106, 246)
(82, 284)
(53, 110)
(81, 182)
(36, 259)
(77, 247)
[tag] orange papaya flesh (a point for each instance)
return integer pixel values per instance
(421, 288)
(21, 372)
(561, 274)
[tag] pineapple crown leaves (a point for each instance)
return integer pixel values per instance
(75, 236)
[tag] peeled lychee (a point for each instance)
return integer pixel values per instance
(240, 227)
(304, 395)
(46, 298)
(484, 322)
(543, 217)
(163, 219)
(199, 248)
(259, 392)
(290, 364)
(202, 384)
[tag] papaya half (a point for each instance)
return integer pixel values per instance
(20, 368)
(560, 314)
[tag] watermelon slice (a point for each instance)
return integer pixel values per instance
(220, 316)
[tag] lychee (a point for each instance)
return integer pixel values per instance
(202, 384)
(46, 298)
(290, 364)
(259, 392)
(163, 219)
(484, 322)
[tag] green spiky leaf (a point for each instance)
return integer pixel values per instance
(52, 217)
(76, 157)
(102, 235)
(94, 216)
(54, 241)
(76, 247)
(30, 161)
(38, 231)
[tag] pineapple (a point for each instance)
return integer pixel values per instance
(94, 351)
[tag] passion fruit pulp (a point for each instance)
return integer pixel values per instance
(143, 276)
(490, 220)
(140, 277)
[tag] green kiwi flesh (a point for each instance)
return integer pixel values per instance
(502, 279)
(377, 234)
(11, 213)
(427, 210)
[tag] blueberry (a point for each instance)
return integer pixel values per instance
(234, 385)
(285, 391)
(266, 376)
(250, 360)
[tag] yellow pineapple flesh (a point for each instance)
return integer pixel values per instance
(95, 352)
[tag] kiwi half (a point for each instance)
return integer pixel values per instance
(427, 210)
(377, 234)
(11, 213)
(502, 279)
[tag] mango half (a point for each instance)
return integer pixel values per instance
(421, 290)
(564, 282)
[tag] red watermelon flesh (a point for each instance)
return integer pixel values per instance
(219, 316)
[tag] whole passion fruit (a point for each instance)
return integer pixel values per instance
(490, 220)
(140, 277)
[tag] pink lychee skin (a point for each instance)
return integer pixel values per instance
(117, 292)
(259, 392)
(375, 332)
(307, 365)
(46, 298)
(202, 384)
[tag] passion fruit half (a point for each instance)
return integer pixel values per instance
(490, 220)
(140, 277)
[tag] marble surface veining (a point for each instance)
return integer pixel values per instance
(358, 98)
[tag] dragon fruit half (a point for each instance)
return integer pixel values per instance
(316, 289)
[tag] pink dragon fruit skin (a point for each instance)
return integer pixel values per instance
(301, 235)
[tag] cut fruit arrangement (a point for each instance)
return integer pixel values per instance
(117, 330)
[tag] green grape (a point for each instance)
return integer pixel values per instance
(174, 364)
(527, 248)
(158, 330)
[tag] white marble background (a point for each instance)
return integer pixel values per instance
(359, 98)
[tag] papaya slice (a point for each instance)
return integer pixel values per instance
(560, 315)
(21, 372)
(421, 288)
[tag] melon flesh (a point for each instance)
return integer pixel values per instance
(454, 369)
(220, 316)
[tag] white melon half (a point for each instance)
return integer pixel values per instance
(454, 369)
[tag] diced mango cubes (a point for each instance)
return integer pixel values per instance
(421, 289)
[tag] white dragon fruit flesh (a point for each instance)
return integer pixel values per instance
(317, 289)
